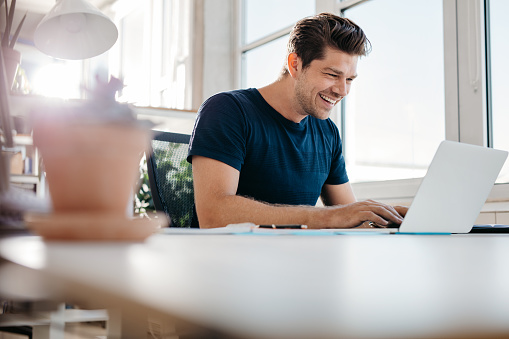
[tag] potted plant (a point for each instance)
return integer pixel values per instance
(12, 58)
(91, 152)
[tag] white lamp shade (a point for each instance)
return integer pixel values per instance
(75, 29)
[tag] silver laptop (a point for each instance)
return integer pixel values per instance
(455, 188)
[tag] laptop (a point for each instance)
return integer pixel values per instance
(453, 191)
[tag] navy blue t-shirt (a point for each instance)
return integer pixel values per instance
(279, 161)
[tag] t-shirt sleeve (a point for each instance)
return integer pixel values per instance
(337, 174)
(219, 131)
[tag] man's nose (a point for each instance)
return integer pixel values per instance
(340, 88)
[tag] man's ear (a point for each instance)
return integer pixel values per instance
(293, 62)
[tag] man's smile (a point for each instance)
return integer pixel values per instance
(328, 99)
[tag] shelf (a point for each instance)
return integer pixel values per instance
(25, 179)
(23, 140)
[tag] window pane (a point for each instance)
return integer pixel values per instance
(134, 73)
(262, 65)
(395, 116)
(264, 17)
(499, 27)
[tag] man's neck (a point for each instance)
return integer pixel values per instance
(280, 95)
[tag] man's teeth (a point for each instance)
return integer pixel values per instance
(328, 99)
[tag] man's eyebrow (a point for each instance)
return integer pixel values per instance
(338, 72)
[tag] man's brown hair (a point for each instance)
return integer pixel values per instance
(310, 36)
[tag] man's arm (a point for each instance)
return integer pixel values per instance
(217, 205)
(337, 194)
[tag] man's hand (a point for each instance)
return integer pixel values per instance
(357, 213)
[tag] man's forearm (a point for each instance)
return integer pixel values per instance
(233, 209)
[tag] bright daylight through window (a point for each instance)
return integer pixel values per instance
(261, 22)
(395, 111)
(263, 61)
(271, 56)
(499, 29)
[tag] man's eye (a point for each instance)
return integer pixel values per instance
(332, 75)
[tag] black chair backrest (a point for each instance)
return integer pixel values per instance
(171, 178)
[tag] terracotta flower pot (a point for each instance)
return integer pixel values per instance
(12, 59)
(91, 167)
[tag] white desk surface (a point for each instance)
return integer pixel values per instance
(355, 286)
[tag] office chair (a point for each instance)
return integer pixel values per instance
(170, 178)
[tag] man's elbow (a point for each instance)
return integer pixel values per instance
(208, 218)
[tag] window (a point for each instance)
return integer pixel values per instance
(395, 112)
(470, 113)
(154, 52)
(498, 28)
(133, 71)
(43, 75)
(271, 55)
(261, 22)
(264, 37)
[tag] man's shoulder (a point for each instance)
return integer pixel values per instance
(235, 101)
(237, 95)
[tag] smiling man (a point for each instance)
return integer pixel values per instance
(266, 155)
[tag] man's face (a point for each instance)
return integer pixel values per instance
(321, 85)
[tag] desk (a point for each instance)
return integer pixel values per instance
(352, 286)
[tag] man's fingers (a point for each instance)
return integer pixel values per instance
(354, 214)
(401, 210)
(398, 211)
(383, 214)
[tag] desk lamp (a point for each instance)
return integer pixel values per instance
(75, 29)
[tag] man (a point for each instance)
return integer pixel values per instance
(266, 155)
